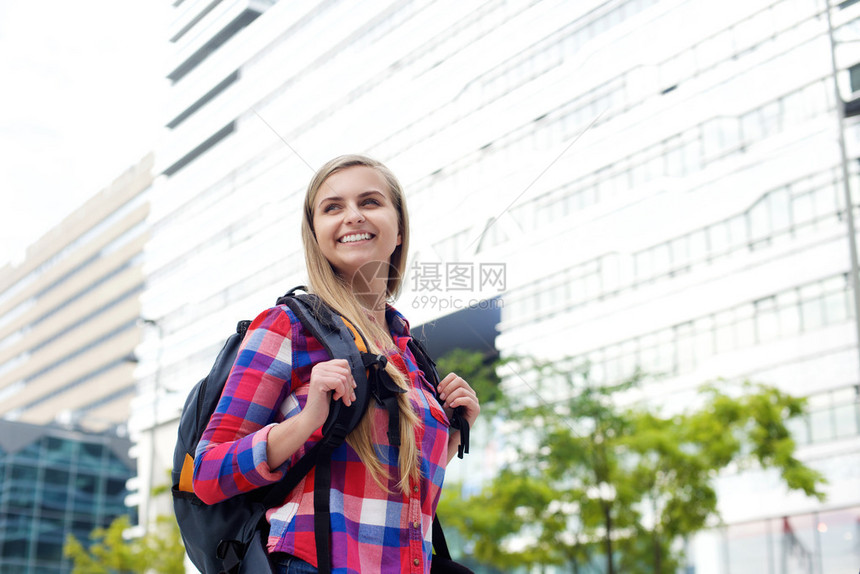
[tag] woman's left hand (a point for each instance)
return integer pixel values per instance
(455, 392)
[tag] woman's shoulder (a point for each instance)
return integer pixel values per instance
(278, 318)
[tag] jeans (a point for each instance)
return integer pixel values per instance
(287, 564)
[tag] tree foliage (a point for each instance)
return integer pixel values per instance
(477, 368)
(594, 475)
(160, 551)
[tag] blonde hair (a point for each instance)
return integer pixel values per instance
(335, 290)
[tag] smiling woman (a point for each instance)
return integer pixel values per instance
(385, 480)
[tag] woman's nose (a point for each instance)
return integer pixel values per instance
(353, 214)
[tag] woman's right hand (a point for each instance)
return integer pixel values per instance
(330, 380)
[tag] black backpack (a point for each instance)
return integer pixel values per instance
(229, 537)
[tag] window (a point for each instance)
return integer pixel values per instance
(854, 75)
(766, 320)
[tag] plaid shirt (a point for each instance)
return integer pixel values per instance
(371, 530)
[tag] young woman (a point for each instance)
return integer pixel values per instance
(355, 231)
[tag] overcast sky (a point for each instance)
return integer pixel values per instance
(81, 100)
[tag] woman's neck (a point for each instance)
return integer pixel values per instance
(372, 295)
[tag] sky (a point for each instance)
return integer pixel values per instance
(82, 99)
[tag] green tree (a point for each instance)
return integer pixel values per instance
(595, 475)
(160, 551)
(479, 370)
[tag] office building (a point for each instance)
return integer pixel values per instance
(56, 482)
(652, 183)
(69, 313)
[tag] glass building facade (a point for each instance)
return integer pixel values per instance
(55, 483)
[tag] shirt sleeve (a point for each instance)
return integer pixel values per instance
(231, 455)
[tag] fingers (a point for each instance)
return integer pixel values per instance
(455, 392)
(334, 377)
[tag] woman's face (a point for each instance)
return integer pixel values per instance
(355, 221)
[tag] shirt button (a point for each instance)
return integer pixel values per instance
(416, 524)
(414, 489)
(416, 562)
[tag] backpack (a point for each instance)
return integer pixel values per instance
(229, 537)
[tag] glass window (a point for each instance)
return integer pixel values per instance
(771, 118)
(847, 418)
(798, 427)
(680, 249)
(644, 265)
(686, 352)
(746, 548)
(752, 126)
(854, 75)
(675, 159)
(793, 108)
(577, 289)
(587, 196)
(825, 200)
(609, 274)
(718, 238)
(766, 320)
(703, 338)
(115, 487)
(789, 313)
(692, 153)
(719, 135)
(811, 308)
(799, 533)
(738, 234)
(57, 478)
(821, 422)
(780, 209)
(666, 348)
(724, 331)
(662, 259)
(698, 245)
(745, 326)
(836, 307)
(817, 98)
(838, 535)
(759, 220)
(803, 208)
(592, 285)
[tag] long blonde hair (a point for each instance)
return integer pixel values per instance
(336, 291)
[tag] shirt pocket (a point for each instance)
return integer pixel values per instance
(436, 411)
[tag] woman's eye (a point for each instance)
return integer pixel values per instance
(371, 201)
(330, 207)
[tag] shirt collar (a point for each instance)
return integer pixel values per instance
(397, 323)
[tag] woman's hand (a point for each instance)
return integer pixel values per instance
(330, 380)
(455, 392)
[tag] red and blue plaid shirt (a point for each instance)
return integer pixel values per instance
(371, 530)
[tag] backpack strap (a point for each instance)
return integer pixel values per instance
(458, 418)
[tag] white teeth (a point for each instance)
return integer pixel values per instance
(355, 237)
